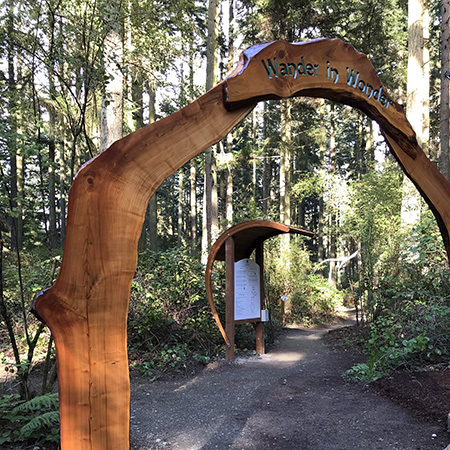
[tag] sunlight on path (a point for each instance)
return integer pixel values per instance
(292, 398)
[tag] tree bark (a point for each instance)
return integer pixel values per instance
(193, 164)
(415, 80)
(417, 91)
(332, 230)
(112, 98)
(152, 209)
(16, 231)
(426, 85)
(444, 125)
(193, 203)
(321, 212)
(285, 170)
(209, 228)
(180, 208)
(52, 120)
(229, 196)
(62, 187)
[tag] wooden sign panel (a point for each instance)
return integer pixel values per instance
(247, 290)
(86, 308)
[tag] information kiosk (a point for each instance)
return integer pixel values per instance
(244, 280)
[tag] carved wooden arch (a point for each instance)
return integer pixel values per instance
(86, 308)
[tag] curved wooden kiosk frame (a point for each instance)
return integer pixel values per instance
(234, 244)
(86, 308)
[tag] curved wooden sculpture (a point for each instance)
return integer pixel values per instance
(86, 308)
(246, 236)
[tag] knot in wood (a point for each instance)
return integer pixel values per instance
(90, 182)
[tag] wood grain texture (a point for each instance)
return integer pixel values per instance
(246, 237)
(340, 73)
(87, 306)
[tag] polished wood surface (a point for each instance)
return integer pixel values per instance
(246, 237)
(86, 308)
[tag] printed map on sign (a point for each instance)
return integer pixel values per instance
(247, 295)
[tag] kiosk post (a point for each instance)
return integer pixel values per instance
(229, 297)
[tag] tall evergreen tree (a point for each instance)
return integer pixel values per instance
(112, 96)
(210, 193)
(444, 123)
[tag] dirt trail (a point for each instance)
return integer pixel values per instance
(293, 398)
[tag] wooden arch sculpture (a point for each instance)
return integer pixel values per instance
(86, 308)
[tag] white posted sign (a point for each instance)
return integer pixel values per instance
(247, 290)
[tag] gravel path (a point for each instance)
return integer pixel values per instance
(293, 398)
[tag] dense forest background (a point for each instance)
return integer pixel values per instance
(76, 76)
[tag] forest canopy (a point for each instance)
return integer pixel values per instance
(76, 76)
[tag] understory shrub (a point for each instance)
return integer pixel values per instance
(311, 299)
(411, 326)
(417, 338)
(315, 300)
(169, 317)
(34, 422)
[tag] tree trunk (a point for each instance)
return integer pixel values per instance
(229, 197)
(332, 229)
(112, 97)
(180, 208)
(193, 164)
(369, 145)
(137, 122)
(52, 120)
(229, 139)
(285, 170)
(444, 127)
(415, 80)
(321, 213)
(16, 232)
(426, 85)
(209, 228)
(359, 145)
(417, 93)
(152, 210)
(52, 232)
(193, 203)
(231, 35)
(62, 193)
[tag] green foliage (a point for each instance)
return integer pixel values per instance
(315, 300)
(308, 186)
(373, 219)
(34, 422)
(311, 298)
(424, 259)
(419, 338)
(31, 336)
(410, 327)
(169, 319)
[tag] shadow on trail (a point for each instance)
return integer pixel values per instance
(293, 398)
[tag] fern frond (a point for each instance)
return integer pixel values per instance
(8, 401)
(48, 419)
(43, 402)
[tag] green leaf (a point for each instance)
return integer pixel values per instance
(48, 419)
